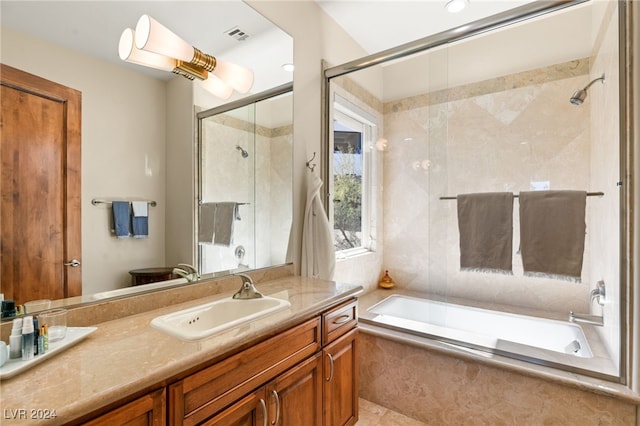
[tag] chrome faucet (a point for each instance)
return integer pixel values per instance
(586, 318)
(597, 294)
(187, 272)
(248, 290)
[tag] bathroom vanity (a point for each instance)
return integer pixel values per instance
(295, 367)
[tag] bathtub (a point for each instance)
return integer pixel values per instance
(503, 333)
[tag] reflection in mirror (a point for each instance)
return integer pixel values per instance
(246, 183)
(492, 113)
(138, 137)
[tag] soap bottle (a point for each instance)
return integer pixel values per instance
(15, 339)
(27, 338)
(386, 281)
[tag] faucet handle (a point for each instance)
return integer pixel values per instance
(599, 293)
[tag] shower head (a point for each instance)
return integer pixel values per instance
(245, 154)
(580, 95)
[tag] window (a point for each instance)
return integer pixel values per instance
(352, 183)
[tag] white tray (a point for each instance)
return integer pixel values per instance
(74, 335)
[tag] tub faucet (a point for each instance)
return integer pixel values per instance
(247, 290)
(187, 272)
(586, 318)
(598, 293)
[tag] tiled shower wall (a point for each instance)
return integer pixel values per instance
(263, 180)
(506, 134)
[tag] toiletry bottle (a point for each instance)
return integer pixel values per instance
(45, 329)
(8, 308)
(15, 340)
(27, 338)
(36, 334)
(41, 341)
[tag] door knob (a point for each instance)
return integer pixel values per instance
(74, 263)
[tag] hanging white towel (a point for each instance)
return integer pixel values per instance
(140, 219)
(318, 257)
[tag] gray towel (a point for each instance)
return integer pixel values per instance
(206, 220)
(485, 222)
(552, 232)
(223, 225)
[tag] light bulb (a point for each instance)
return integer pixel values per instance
(216, 87)
(455, 6)
(154, 37)
(241, 79)
(128, 52)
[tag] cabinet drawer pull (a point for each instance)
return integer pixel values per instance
(277, 398)
(342, 319)
(330, 368)
(264, 412)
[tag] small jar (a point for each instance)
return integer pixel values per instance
(386, 281)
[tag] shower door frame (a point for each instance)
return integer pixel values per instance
(627, 370)
(200, 117)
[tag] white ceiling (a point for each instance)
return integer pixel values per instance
(382, 24)
(94, 28)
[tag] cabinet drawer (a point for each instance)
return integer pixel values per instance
(206, 392)
(339, 321)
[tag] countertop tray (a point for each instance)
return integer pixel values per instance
(74, 335)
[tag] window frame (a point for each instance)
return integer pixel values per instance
(355, 117)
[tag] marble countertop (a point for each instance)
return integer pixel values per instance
(127, 355)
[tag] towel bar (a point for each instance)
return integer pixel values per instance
(95, 202)
(589, 194)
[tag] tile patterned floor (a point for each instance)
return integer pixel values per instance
(371, 414)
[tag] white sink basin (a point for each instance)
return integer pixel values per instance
(212, 318)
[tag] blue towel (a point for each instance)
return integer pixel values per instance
(140, 219)
(121, 218)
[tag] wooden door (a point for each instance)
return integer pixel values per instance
(295, 397)
(341, 381)
(40, 205)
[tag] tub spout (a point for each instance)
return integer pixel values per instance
(586, 318)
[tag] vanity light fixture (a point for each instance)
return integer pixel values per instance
(455, 6)
(155, 46)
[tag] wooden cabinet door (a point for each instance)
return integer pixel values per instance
(148, 410)
(249, 411)
(295, 397)
(340, 368)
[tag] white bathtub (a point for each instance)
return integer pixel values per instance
(480, 328)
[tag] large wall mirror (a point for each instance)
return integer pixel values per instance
(495, 111)
(139, 126)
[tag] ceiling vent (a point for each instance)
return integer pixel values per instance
(237, 34)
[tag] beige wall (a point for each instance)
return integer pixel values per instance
(123, 152)
(316, 37)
